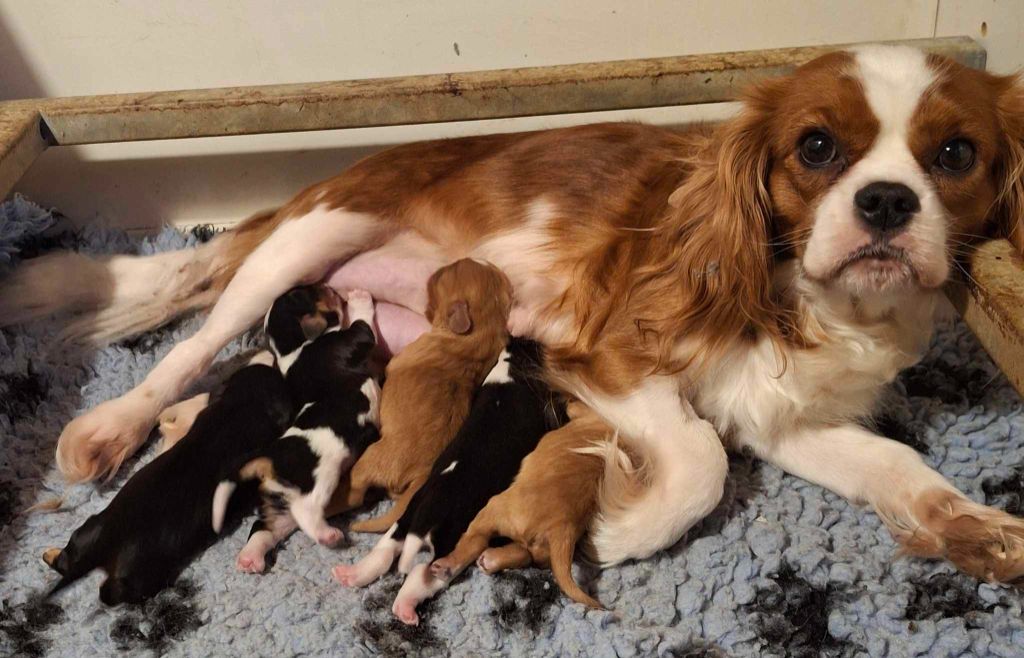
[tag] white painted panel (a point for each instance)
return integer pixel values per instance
(996, 24)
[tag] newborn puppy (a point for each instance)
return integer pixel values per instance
(329, 376)
(512, 411)
(546, 510)
(161, 517)
(430, 385)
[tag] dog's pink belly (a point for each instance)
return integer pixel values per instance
(397, 326)
(398, 284)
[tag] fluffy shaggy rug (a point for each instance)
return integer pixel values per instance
(782, 568)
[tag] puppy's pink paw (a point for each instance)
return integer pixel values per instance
(250, 563)
(442, 569)
(406, 612)
(347, 575)
(485, 563)
(330, 537)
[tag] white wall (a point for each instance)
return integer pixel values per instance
(59, 47)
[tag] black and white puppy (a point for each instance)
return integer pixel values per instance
(161, 517)
(329, 373)
(512, 410)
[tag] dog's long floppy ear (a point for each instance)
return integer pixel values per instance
(458, 318)
(1009, 208)
(723, 229)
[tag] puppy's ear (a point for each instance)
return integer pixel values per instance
(313, 324)
(458, 319)
(1009, 207)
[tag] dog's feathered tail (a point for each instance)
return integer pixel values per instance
(646, 501)
(259, 468)
(121, 296)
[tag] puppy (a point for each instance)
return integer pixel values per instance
(161, 517)
(546, 510)
(430, 385)
(331, 382)
(511, 412)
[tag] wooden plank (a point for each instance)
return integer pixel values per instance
(991, 302)
(21, 142)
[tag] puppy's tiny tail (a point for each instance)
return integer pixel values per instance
(221, 498)
(562, 548)
(260, 468)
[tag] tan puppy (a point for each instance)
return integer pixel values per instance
(546, 510)
(176, 420)
(430, 384)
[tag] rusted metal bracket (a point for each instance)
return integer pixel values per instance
(992, 304)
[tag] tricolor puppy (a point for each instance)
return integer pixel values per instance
(548, 508)
(161, 517)
(431, 384)
(329, 375)
(511, 412)
(753, 284)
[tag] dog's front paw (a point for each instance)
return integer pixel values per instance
(983, 541)
(96, 443)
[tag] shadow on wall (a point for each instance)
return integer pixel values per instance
(207, 189)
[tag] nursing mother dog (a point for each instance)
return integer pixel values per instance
(753, 284)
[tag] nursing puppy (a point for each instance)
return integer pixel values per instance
(430, 385)
(511, 412)
(332, 384)
(546, 510)
(161, 517)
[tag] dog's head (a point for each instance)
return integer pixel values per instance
(882, 164)
(874, 169)
(301, 315)
(468, 295)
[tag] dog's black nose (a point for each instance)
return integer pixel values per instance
(886, 206)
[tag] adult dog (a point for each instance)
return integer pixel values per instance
(769, 275)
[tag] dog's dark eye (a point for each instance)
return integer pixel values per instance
(817, 149)
(956, 155)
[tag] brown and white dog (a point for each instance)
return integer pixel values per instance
(769, 275)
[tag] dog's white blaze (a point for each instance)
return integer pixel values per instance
(450, 467)
(894, 80)
(371, 390)
(499, 373)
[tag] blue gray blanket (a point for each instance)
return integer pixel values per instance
(782, 568)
